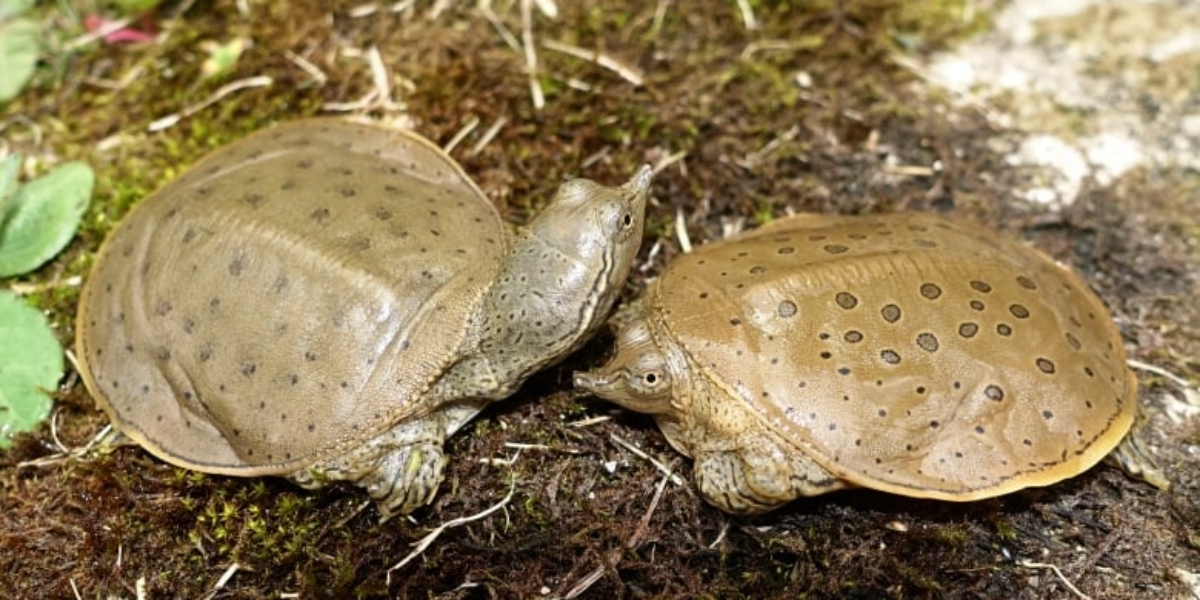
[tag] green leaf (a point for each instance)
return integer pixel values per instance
(18, 55)
(8, 180)
(31, 363)
(42, 217)
(12, 8)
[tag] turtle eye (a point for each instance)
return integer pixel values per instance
(650, 381)
(626, 221)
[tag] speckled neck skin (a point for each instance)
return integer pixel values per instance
(556, 286)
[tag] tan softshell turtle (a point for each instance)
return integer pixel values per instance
(328, 300)
(909, 353)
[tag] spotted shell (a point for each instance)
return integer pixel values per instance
(911, 353)
(288, 297)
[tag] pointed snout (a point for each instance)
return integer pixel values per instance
(640, 183)
(588, 380)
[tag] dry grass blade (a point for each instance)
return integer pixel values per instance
(677, 480)
(631, 74)
(225, 90)
(1028, 564)
(462, 133)
(531, 61)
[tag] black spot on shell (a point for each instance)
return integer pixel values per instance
(826, 355)
(1019, 311)
(882, 412)
(348, 192)
(1073, 341)
(1089, 372)
(383, 214)
(858, 236)
(310, 356)
(891, 313)
(312, 426)
(757, 270)
(853, 336)
(835, 248)
(237, 265)
(786, 250)
(890, 357)
(934, 424)
(816, 238)
(931, 291)
(843, 370)
(320, 215)
(1027, 283)
(206, 353)
(787, 309)
(163, 308)
(846, 300)
(976, 305)
(735, 321)
(924, 243)
(968, 330)
(928, 342)
(248, 369)
(1045, 365)
(979, 429)
(1047, 415)
(980, 286)
(994, 393)
(1003, 329)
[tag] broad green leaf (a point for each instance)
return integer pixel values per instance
(31, 363)
(18, 55)
(42, 217)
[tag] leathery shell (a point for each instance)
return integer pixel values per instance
(289, 297)
(910, 353)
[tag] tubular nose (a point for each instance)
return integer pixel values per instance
(585, 380)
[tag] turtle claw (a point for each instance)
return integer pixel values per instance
(405, 480)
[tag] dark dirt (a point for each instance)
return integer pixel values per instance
(583, 515)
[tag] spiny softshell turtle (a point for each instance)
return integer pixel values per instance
(328, 300)
(909, 353)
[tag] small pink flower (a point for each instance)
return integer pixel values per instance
(124, 34)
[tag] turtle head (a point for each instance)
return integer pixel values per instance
(597, 229)
(638, 377)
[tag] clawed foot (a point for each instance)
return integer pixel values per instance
(406, 479)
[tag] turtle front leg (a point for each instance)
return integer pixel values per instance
(749, 482)
(400, 469)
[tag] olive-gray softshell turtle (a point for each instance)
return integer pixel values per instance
(297, 294)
